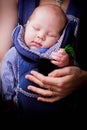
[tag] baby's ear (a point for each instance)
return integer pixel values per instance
(27, 22)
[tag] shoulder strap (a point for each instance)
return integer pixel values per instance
(73, 14)
(25, 8)
(74, 8)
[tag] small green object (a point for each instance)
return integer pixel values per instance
(69, 49)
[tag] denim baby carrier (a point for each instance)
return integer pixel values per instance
(28, 102)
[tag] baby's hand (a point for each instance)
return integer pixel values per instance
(60, 58)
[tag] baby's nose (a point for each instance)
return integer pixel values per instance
(41, 35)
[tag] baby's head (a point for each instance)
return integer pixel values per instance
(45, 26)
(52, 13)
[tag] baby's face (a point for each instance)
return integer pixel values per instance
(42, 31)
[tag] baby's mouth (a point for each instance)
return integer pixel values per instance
(37, 44)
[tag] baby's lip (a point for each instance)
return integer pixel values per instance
(37, 44)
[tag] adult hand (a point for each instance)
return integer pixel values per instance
(58, 84)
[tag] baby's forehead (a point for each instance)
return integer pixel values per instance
(48, 9)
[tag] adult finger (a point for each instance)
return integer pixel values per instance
(34, 79)
(49, 99)
(61, 72)
(40, 91)
(43, 81)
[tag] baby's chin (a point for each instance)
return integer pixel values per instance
(34, 47)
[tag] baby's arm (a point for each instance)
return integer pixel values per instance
(61, 58)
